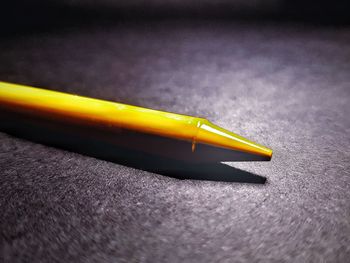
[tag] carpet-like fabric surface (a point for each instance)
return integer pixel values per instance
(284, 86)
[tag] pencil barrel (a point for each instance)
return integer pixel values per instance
(73, 108)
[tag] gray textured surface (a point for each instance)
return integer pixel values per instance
(285, 86)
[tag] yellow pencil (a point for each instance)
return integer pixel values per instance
(111, 115)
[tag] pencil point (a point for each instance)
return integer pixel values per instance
(214, 135)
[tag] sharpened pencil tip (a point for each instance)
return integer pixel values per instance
(214, 135)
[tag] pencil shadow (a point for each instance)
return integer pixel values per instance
(178, 169)
(170, 158)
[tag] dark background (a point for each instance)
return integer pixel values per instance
(275, 71)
